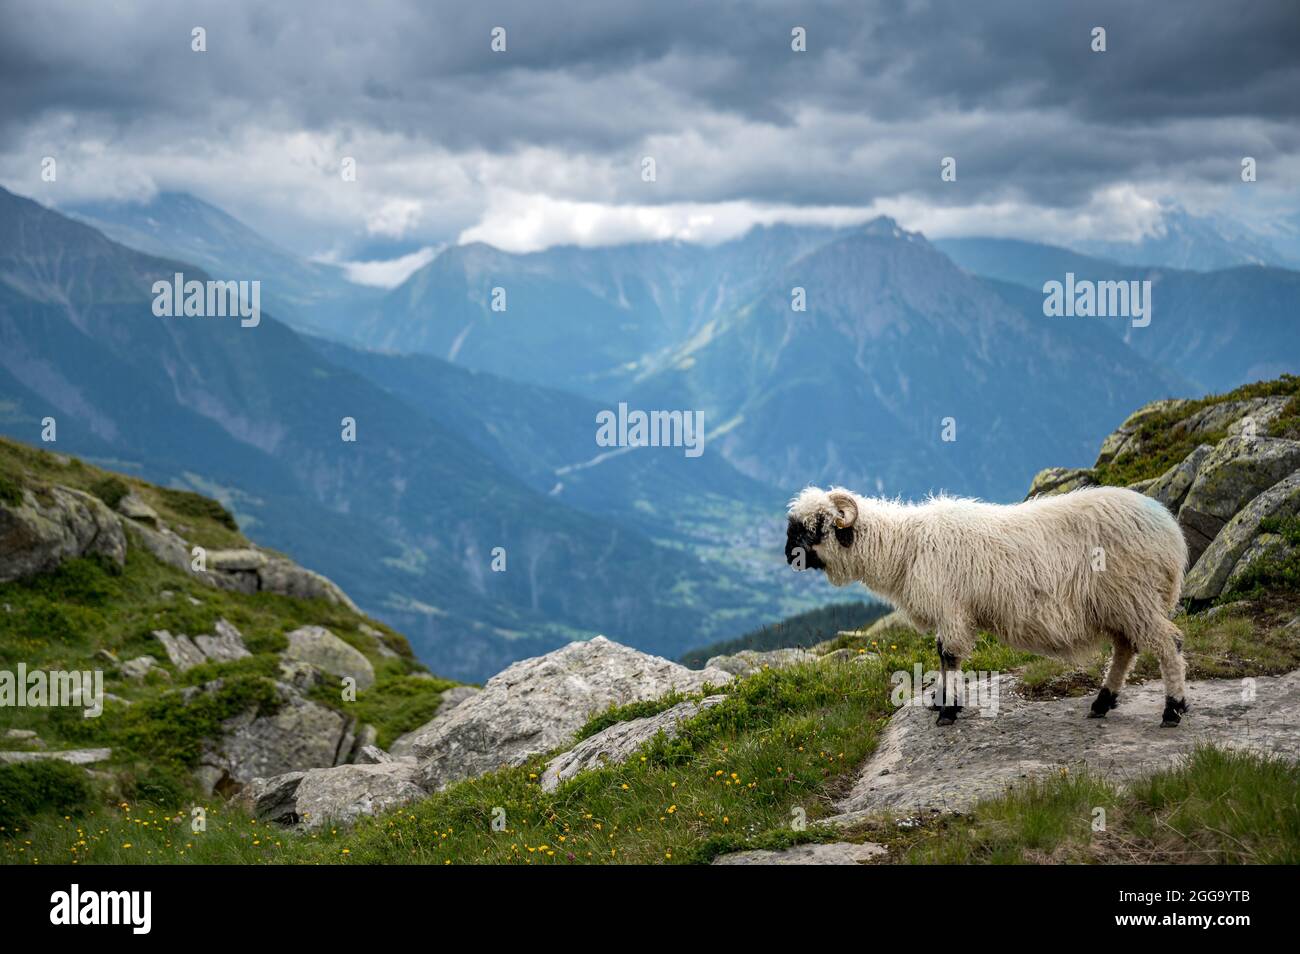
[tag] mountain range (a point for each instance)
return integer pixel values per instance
(913, 366)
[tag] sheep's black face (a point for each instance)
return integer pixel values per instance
(800, 540)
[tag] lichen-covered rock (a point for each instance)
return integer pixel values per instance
(1266, 546)
(1208, 577)
(1059, 480)
(336, 795)
(750, 661)
(1171, 487)
(538, 704)
(1249, 416)
(318, 646)
(615, 744)
(55, 525)
(1233, 474)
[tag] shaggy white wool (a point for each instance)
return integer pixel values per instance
(1055, 575)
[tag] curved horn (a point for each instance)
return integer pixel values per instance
(847, 509)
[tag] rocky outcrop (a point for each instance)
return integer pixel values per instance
(538, 704)
(1212, 571)
(616, 743)
(337, 795)
(71, 756)
(226, 645)
(180, 650)
(321, 648)
(1124, 441)
(54, 525)
(299, 735)
(916, 767)
(1171, 487)
(1232, 475)
(405, 745)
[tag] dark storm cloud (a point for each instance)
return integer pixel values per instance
(1010, 87)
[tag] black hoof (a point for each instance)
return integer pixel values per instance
(1174, 711)
(1105, 701)
(947, 715)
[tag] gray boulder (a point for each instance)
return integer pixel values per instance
(180, 650)
(133, 508)
(337, 795)
(1233, 474)
(318, 646)
(538, 704)
(299, 735)
(287, 578)
(1266, 546)
(1211, 572)
(616, 743)
(1171, 487)
(405, 744)
(53, 526)
(1232, 417)
(71, 756)
(140, 667)
(226, 646)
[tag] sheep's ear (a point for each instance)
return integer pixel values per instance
(846, 509)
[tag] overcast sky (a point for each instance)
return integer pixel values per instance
(543, 143)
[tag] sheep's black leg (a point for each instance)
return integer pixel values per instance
(1174, 709)
(1105, 701)
(950, 669)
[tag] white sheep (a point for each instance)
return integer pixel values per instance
(1054, 575)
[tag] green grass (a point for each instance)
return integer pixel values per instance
(1217, 807)
(110, 489)
(30, 788)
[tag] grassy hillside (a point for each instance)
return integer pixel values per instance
(70, 618)
(784, 742)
